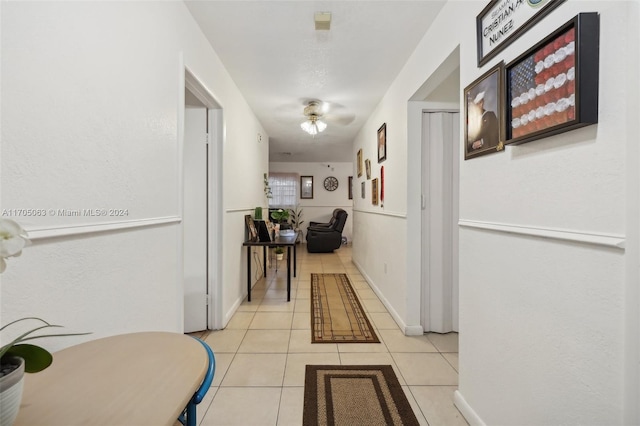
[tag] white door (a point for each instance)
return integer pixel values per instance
(194, 218)
(440, 185)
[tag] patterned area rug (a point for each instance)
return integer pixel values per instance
(354, 395)
(336, 313)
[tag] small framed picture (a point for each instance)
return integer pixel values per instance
(382, 143)
(483, 109)
(306, 187)
(252, 232)
(374, 192)
(359, 162)
(367, 166)
(351, 187)
(363, 190)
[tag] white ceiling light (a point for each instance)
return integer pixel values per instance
(322, 20)
(313, 125)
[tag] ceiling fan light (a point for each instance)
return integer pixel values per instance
(308, 127)
(313, 125)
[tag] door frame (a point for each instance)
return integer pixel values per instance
(189, 80)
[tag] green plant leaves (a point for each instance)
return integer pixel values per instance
(35, 358)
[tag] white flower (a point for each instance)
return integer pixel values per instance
(12, 240)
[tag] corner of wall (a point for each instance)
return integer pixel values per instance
(471, 416)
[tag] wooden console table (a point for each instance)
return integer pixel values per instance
(281, 241)
(130, 379)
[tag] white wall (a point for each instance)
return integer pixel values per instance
(92, 95)
(546, 335)
(321, 206)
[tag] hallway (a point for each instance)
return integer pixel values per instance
(261, 354)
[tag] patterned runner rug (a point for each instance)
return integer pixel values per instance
(336, 313)
(354, 395)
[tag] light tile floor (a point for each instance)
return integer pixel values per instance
(262, 353)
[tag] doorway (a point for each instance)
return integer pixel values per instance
(440, 187)
(200, 205)
(194, 215)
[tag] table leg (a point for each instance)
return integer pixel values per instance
(288, 273)
(248, 273)
(295, 259)
(264, 260)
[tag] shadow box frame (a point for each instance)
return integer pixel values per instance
(305, 195)
(581, 112)
(482, 84)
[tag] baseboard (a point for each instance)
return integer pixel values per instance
(408, 330)
(467, 412)
(231, 312)
(413, 330)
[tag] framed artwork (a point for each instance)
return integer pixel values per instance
(363, 189)
(367, 165)
(382, 143)
(374, 192)
(553, 87)
(252, 232)
(501, 22)
(359, 162)
(381, 184)
(306, 187)
(484, 117)
(351, 187)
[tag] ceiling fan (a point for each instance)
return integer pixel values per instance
(314, 112)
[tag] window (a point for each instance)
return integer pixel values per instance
(284, 188)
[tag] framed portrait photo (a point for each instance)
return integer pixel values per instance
(363, 193)
(359, 162)
(306, 187)
(367, 164)
(351, 187)
(484, 114)
(382, 143)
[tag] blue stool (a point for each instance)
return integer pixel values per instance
(188, 416)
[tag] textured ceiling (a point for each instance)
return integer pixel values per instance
(279, 62)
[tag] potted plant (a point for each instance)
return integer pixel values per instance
(281, 217)
(296, 218)
(279, 251)
(267, 189)
(17, 357)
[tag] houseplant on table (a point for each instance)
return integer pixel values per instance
(279, 251)
(280, 216)
(17, 357)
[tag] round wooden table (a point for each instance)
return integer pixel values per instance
(131, 379)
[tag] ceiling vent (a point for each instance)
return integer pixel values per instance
(323, 20)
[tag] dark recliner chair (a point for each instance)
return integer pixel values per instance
(326, 237)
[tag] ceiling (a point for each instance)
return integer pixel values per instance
(280, 62)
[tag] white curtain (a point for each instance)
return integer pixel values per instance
(284, 188)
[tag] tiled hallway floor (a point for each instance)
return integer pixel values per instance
(262, 353)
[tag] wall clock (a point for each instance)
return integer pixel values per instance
(331, 183)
